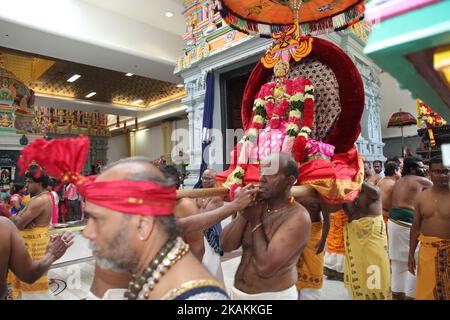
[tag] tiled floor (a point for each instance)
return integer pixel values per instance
(72, 282)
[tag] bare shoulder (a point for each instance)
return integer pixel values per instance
(214, 204)
(424, 181)
(400, 182)
(385, 183)
(424, 195)
(6, 228)
(217, 200)
(299, 215)
(5, 224)
(39, 200)
(186, 202)
(186, 207)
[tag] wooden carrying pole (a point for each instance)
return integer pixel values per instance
(296, 191)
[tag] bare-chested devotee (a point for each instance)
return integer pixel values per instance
(376, 176)
(399, 225)
(211, 238)
(109, 281)
(107, 277)
(136, 232)
(15, 257)
(386, 185)
(33, 222)
(367, 270)
(367, 171)
(272, 233)
(432, 228)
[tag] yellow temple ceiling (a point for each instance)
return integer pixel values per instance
(49, 76)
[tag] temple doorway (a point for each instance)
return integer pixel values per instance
(232, 85)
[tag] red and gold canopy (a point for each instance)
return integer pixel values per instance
(401, 119)
(265, 17)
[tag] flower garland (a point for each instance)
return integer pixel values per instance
(298, 97)
(427, 118)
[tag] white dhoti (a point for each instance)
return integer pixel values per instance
(288, 294)
(334, 261)
(310, 294)
(111, 294)
(36, 296)
(211, 260)
(398, 240)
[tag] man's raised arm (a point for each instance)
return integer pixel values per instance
(18, 260)
(28, 214)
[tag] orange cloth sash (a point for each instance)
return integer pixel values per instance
(335, 238)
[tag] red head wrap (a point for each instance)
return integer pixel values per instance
(64, 159)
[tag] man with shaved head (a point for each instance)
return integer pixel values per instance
(110, 279)
(141, 237)
(131, 227)
(272, 233)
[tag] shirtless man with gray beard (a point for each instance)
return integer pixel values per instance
(272, 233)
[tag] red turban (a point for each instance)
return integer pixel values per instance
(64, 159)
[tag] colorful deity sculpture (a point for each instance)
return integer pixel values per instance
(289, 109)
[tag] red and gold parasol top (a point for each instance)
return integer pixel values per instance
(401, 119)
(265, 17)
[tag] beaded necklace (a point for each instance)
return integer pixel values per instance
(140, 287)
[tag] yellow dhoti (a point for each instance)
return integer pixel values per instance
(433, 276)
(367, 269)
(36, 241)
(310, 264)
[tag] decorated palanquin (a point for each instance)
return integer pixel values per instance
(433, 129)
(306, 98)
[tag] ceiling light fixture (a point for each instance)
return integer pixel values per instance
(138, 101)
(91, 94)
(128, 74)
(73, 78)
(180, 85)
(169, 14)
